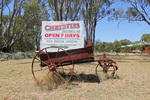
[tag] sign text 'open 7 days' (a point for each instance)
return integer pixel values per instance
(64, 34)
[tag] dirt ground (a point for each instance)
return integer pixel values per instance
(132, 81)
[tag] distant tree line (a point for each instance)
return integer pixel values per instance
(116, 45)
(20, 20)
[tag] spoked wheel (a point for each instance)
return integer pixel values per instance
(106, 68)
(52, 67)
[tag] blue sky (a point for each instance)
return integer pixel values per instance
(109, 32)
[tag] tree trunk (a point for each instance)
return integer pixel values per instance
(56, 9)
(6, 49)
(94, 27)
(89, 37)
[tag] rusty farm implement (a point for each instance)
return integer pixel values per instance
(61, 63)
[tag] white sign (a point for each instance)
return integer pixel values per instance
(64, 34)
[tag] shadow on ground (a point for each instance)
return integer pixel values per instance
(51, 83)
(91, 78)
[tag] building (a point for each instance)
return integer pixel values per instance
(145, 47)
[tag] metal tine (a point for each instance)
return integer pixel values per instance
(45, 76)
(47, 54)
(41, 61)
(40, 69)
(60, 76)
(56, 55)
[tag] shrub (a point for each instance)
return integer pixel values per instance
(19, 55)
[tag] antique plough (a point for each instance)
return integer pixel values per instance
(61, 63)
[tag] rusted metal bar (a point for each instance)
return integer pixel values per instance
(77, 55)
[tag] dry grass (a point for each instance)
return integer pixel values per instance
(133, 82)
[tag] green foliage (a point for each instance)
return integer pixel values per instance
(22, 25)
(19, 55)
(98, 47)
(137, 44)
(131, 12)
(134, 10)
(127, 49)
(65, 10)
(125, 42)
(145, 38)
(116, 46)
(92, 12)
(103, 46)
(23, 55)
(20, 28)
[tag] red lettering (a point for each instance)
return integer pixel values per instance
(56, 27)
(64, 26)
(60, 26)
(52, 35)
(66, 35)
(57, 35)
(46, 35)
(67, 25)
(49, 35)
(74, 35)
(51, 27)
(71, 26)
(70, 35)
(62, 35)
(78, 26)
(78, 35)
(74, 25)
(46, 27)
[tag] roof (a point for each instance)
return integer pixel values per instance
(133, 45)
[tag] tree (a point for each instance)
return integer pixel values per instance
(70, 10)
(98, 47)
(109, 47)
(116, 45)
(21, 19)
(92, 12)
(145, 38)
(65, 10)
(125, 42)
(31, 40)
(137, 11)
